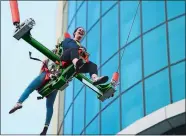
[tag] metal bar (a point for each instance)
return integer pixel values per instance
(29, 39)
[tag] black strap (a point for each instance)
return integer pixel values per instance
(39, 98)
(30, 55)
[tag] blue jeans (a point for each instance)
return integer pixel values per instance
(36, 83)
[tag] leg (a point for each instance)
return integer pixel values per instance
(49, 106)
(36, 83)
(72, 55)
(91, 68)
(31, 87)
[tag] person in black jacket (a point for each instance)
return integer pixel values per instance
(70, 53)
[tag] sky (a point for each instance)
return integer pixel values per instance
(17, 70)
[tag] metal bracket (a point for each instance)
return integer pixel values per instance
(107, 94)
(24, 28)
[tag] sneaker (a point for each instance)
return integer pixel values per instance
(100, 80)
(44, 130)
(16, 107)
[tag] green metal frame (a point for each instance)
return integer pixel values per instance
(66, 75)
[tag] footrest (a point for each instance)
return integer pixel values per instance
(108, 93)
(24, 28)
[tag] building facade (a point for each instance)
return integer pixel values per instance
(146, 41)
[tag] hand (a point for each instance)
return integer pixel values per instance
(83, 49)
(57, 62)
(52, 76)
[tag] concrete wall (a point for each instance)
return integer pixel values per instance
(61, 27)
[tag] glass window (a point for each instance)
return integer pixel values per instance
(71, 10)
(109, 34)
(68, 123)
(78, 117)
(155, 50)
(132, 105)
(92, 105)
(68, 96)
(83, 42)
(110, 119)
(93, 128)
(93, 44)
(175, 8)
(61, 110)
(71, 28)
(77, 86)
(79, 2)
(131, 65)
(157, 91)
(177, 39)
(106, 5)
(153, 13)
(107, 70)
(178, 81)
(127, 13)
(93, 12)
(81, 16)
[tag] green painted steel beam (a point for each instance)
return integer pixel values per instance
(48, 53)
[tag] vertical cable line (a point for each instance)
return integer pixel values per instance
(142, 58)
(100, 60)
(168, 52)
(119, 59)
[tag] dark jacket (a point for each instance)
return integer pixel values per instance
(70, 43)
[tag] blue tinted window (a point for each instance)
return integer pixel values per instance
(79, 2)
(93, 12)
(93, 128)
(110, 119)
(68, 123)
(71, 10)
(92, 105)
(107, 70)
(127, 13)
(157, 93)
(106, 5)
(71, 28)
(132, 105)
(68, 96)
(77, 86)
(153, 13)
(177, 39)
(78, 117)
(178, 81)
(175, 8)
(155, 50)
(109, 34)
(81, 16)
(93, 44)
(131, 65)
(83, 42)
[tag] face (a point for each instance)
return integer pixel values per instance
(79, 34)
